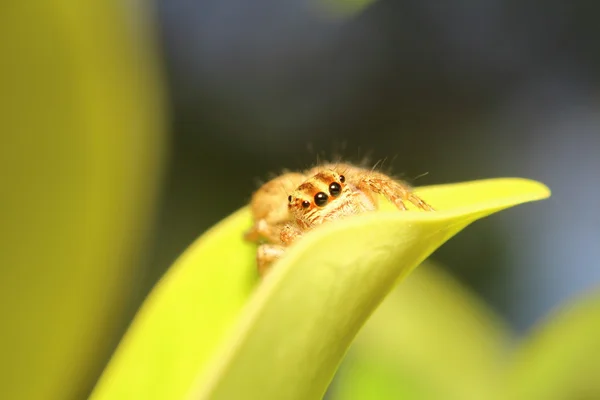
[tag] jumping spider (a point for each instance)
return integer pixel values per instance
(321, 194)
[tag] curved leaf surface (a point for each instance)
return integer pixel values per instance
(206, 333)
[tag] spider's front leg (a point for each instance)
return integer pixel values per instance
(266, 255)
(262, 230)
(392, 190)
(290, 233)
(269, 207)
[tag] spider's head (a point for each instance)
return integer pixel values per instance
(318, 196)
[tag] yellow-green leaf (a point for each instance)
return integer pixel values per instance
(430, 339)
(80, 153)
(207, 334)
(560, 360)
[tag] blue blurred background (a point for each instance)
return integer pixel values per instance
(441, 92)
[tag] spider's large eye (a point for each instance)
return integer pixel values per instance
(305, 204)
(335, 189)
(321, 199)
(342, 178)
(290, 198)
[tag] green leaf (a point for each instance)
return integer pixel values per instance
(185, 317)
(431, 338)
(80, 153)
(341, 8)
(560, 360)
(204, 332)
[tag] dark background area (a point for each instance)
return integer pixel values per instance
(442, 92)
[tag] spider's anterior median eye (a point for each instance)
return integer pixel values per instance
(342, 178)
(321, 199)
(290, 198)
(335, 189)
(305, 203)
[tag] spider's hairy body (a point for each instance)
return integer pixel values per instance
(294, 203)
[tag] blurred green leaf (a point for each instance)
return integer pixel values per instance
(205, 333)
(560, 360)
(341, 8)
(430, 339)
(80, 152)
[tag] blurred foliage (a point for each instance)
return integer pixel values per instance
(340, 8)
(432, 338)
(561, 358)
(81, 144)
(204, 331)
